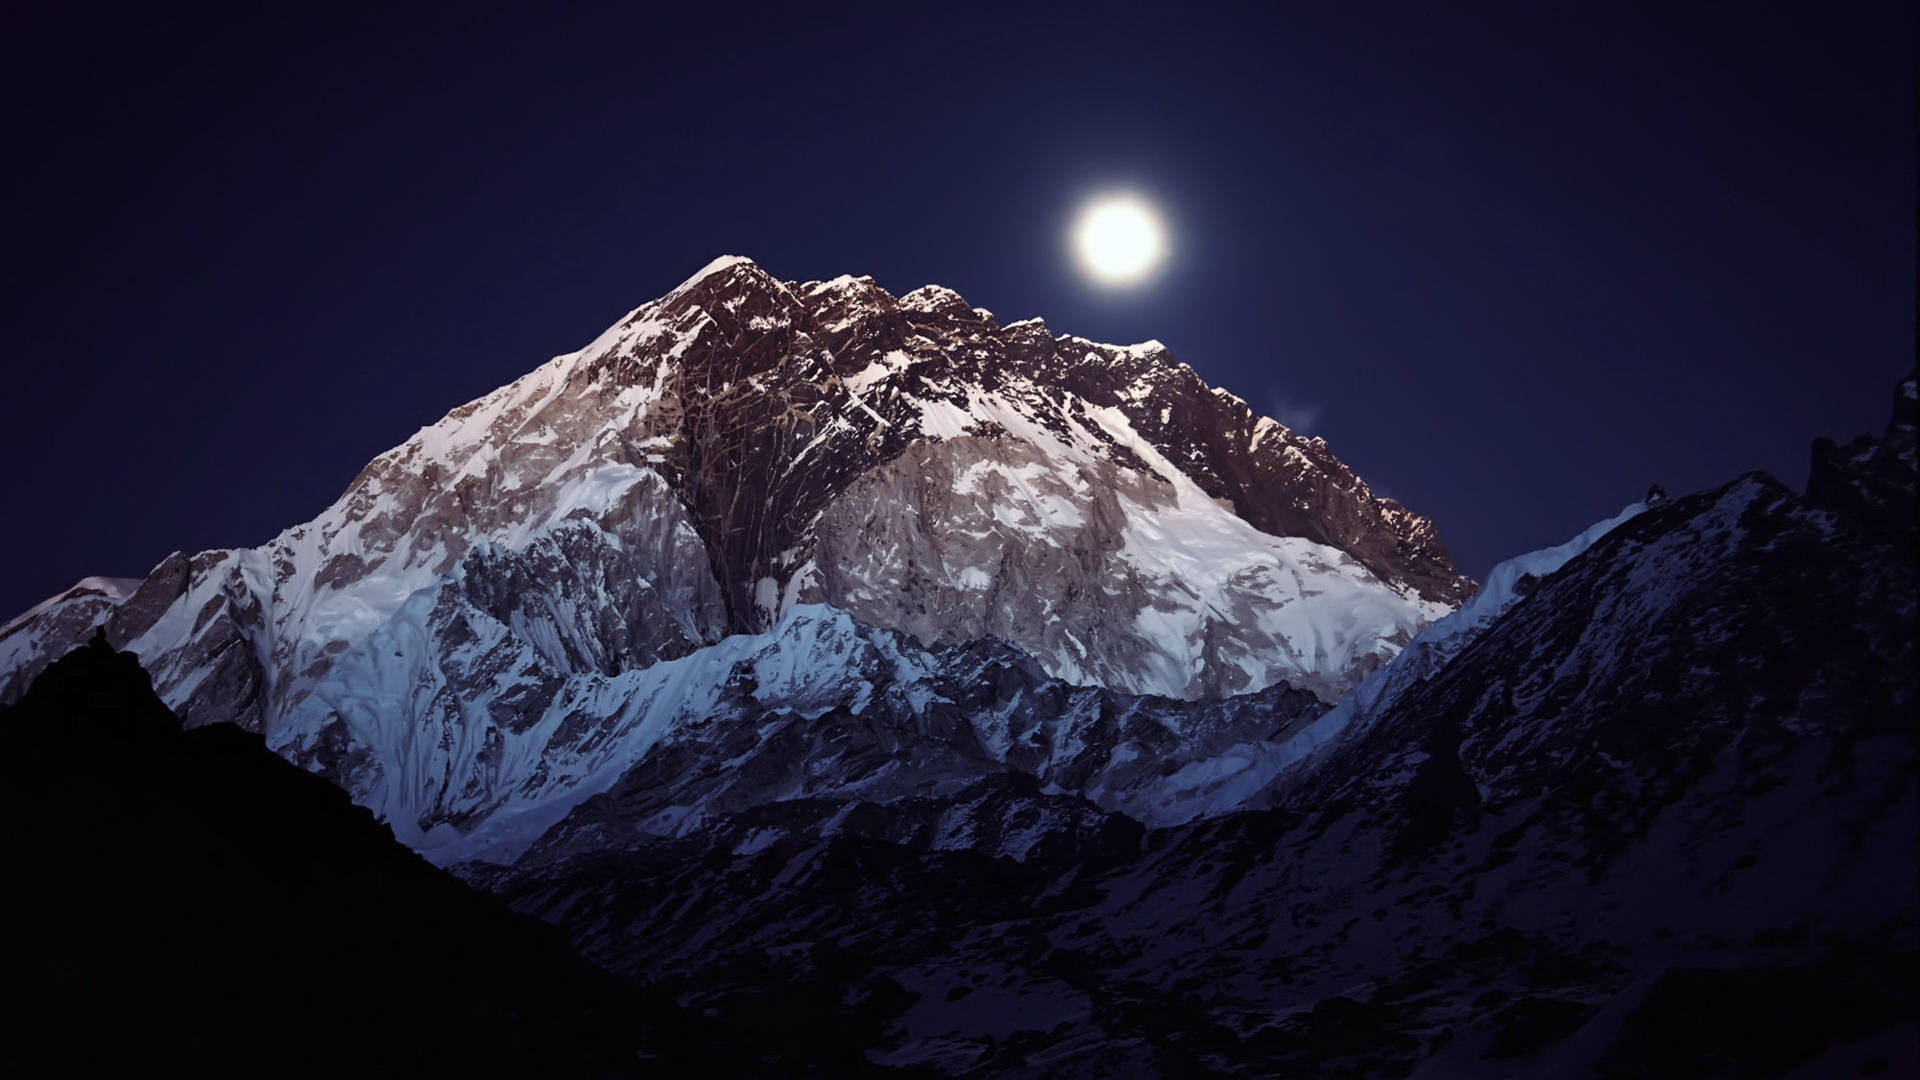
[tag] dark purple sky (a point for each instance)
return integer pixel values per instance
(1515, 260)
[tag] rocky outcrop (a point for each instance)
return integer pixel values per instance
(1871, 480)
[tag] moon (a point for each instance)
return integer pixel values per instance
(1119, 240)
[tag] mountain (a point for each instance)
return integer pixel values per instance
(816, 490)
(878, 690)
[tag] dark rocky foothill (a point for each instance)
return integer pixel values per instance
(188, 902)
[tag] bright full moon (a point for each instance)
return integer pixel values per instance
(1119, 240)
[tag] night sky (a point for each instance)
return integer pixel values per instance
(1514, 261)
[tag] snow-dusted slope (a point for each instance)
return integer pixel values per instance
(1242, 775)
(820, 707)
(1445, 638)
(467, 637)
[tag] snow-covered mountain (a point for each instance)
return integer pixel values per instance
(754, 503)
(894, 693)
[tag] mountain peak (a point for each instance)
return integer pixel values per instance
(511, 607)
(936, 300)
(718, 266)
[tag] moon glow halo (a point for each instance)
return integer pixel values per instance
(1119, 240)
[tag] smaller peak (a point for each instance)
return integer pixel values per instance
(1035, 323)
(114, 588)
(839, 284)
(1146, 356)
(844, 301)
(936, 300)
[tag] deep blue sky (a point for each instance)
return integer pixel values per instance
(1516, 261)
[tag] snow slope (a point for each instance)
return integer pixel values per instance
(1242, 777)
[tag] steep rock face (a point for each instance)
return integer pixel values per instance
(780, 395)
(1280, 482)
(1109, 576)
(821, 708)
(510, 681)
(207, 611)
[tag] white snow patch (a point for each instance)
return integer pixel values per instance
(724, 262)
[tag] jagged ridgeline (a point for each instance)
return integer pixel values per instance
(755, 501)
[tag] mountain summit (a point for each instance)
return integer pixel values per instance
(518, 605)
